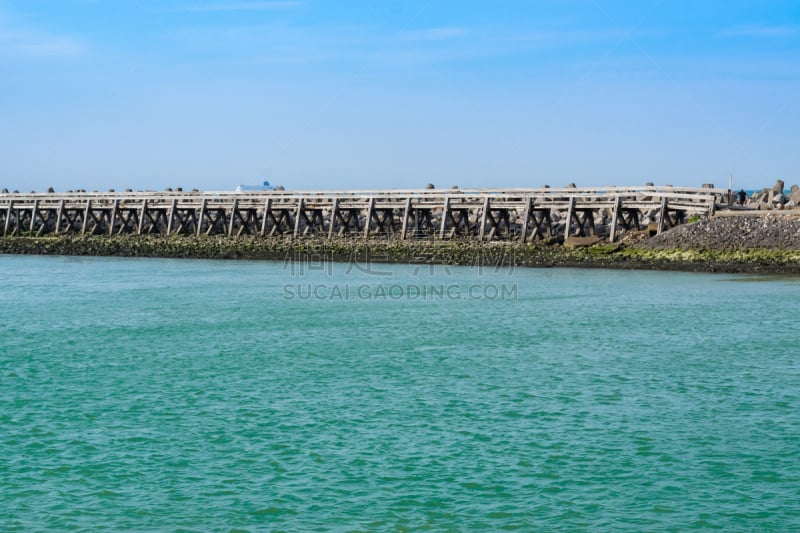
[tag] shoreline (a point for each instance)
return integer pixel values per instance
(454, 252)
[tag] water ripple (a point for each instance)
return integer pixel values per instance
(196, 398)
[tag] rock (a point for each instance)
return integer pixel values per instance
(579, 242)
(794, 196)
(778, 187)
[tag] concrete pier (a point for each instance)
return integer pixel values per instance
(524, 215)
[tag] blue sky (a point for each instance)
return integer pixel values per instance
(100, 94)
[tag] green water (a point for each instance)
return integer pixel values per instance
(159, 395)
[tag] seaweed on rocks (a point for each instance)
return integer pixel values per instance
(686, 248)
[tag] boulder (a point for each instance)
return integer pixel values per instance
(778, 187)
(578, 242)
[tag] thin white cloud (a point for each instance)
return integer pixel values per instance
(17, 40)
(761, 31)
(28, 43)
(432, 34)
(240, 6)
(567, 37)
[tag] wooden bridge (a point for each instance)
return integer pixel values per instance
(483, 214)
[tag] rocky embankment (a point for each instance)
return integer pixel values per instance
(747, 243)
(772, 230)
